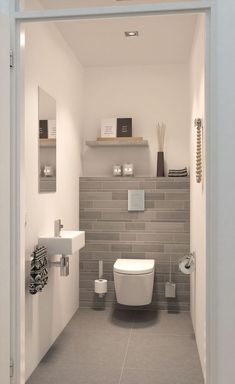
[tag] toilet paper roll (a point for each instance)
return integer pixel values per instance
(101, 286)
(183, 264)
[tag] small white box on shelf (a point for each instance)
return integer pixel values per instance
(109, 127)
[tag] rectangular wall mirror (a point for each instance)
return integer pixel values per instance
(47, 142)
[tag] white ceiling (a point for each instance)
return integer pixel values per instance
(96, 3)
(162, 40)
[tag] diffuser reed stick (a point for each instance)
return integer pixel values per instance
(161, 130)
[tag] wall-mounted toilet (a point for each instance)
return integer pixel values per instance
(133, 280)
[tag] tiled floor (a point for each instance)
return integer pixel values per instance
(122, 347)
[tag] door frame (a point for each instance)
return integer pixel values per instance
(17, 159)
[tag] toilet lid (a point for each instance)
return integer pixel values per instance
(133, 266)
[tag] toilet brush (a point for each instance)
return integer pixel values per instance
(170, 286)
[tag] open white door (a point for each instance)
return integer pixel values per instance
(4, 193)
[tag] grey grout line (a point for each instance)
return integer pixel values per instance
(125, 356)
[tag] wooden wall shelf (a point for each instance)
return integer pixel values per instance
(117, 143)
(47, 142)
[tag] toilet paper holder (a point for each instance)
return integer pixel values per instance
(187, 263)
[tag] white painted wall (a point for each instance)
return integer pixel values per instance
(148, 94)
(50, 64)
(197, 198)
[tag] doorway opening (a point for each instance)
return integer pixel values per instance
(88, 85)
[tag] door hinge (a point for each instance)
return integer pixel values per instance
(11, 59)
(11, 368)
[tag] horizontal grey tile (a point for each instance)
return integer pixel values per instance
(86, 204)
(99, 255)
(177, 248)
(85, 225)
(133, 255)
(164, 226)
(147, 247)
(172, 185)
(92, 275)
(97, 247)
(121, 247)
(135, 226)
(110, 204)
(90, 215)
(149, 204)
(119, 184)
(154, 196)
(102, 236)
(93, 265)
(90, 184)
(127, 237)
(177, 196)
(119, 216)
(120, 195)
(95, 195)
(155, 237)
(169, 204)
(163, 215)
(164, 257)
(147, 185)
(109, 226)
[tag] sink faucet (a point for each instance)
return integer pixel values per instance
(57, 227)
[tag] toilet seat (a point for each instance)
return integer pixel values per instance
(133, 266)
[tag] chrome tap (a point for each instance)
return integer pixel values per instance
(57, 228)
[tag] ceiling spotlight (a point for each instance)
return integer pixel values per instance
(131, 33)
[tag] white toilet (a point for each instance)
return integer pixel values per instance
(133, 280)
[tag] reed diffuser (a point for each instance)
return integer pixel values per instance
(161, 130)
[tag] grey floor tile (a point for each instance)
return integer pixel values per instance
(113, 320)
(143, 376)
(75, 375)
(87, 347)
(171, 356)
(94, 346)
(163, 322)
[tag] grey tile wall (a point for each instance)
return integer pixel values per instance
(161, 232)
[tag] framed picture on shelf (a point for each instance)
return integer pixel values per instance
(109, 127)
(124, 127)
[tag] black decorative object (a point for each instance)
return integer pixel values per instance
(124, 127)
(43, 129)
(160, 164)
(161, 129)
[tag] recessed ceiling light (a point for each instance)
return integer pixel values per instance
(131, 33)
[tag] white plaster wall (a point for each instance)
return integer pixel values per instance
(197, 198)
(50, 64)
(148, 94)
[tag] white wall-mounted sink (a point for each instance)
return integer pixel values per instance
(68, 243)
